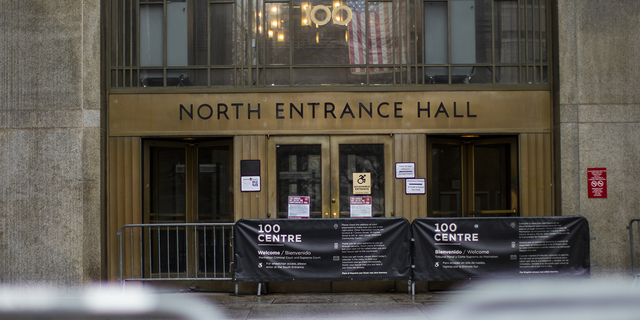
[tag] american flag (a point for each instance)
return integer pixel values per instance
(381, 34)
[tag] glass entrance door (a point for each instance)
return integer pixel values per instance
(319, 171)
(298, 167)
(361, 162)
(473, 177)
(186, 182)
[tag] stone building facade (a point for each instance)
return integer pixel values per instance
(53, 134)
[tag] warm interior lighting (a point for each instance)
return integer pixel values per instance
(270, 33)
(346, 36)
(305, 14)
(280, 37)
(274, 23)
(274, 9)
(317, 37)
(336, 4)
(260, 29)
(470, 136)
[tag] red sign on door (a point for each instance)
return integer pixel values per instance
(597, 180)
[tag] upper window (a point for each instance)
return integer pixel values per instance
(250, 43)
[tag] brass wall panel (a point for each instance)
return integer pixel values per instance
(124, 196)
(329, 113)
(250, 205)
(410, 148)
(536, 192)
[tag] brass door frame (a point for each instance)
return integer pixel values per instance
(191, 182)
(330, 148)
(467, 152)
(206, 144)
(463, 172)
(272, 174)
(191, 149)
(147, 145)
(513, 169)
(387, 142)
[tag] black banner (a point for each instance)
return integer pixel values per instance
(322, 249)
(466, 248)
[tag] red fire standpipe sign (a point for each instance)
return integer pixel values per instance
(597, 180)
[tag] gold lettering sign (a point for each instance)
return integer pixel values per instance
(310, 13)
(329, 113)
(336, 15)
(327, 17)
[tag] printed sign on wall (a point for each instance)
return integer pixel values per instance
(597, 182)
(250, 176)
(415, 186)
(405, 170)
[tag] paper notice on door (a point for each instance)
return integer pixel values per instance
(299, 207)
(360, 207)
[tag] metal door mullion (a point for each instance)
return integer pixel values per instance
(122, 45)
(367, 26)
(449, 41)
(493, 43)
(164, 43)
(208, 43)
(540, 17)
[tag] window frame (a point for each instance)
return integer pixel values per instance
(248, 71)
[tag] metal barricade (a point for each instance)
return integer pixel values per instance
(176, 251)
(633, 255)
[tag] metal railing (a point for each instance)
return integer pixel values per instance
(176, 251)
(633, 255)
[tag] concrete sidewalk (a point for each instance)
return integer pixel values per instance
(326, 305)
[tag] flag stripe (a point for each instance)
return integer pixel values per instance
(379, 39)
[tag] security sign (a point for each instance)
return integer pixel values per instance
(362, 183)
(597, 182)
